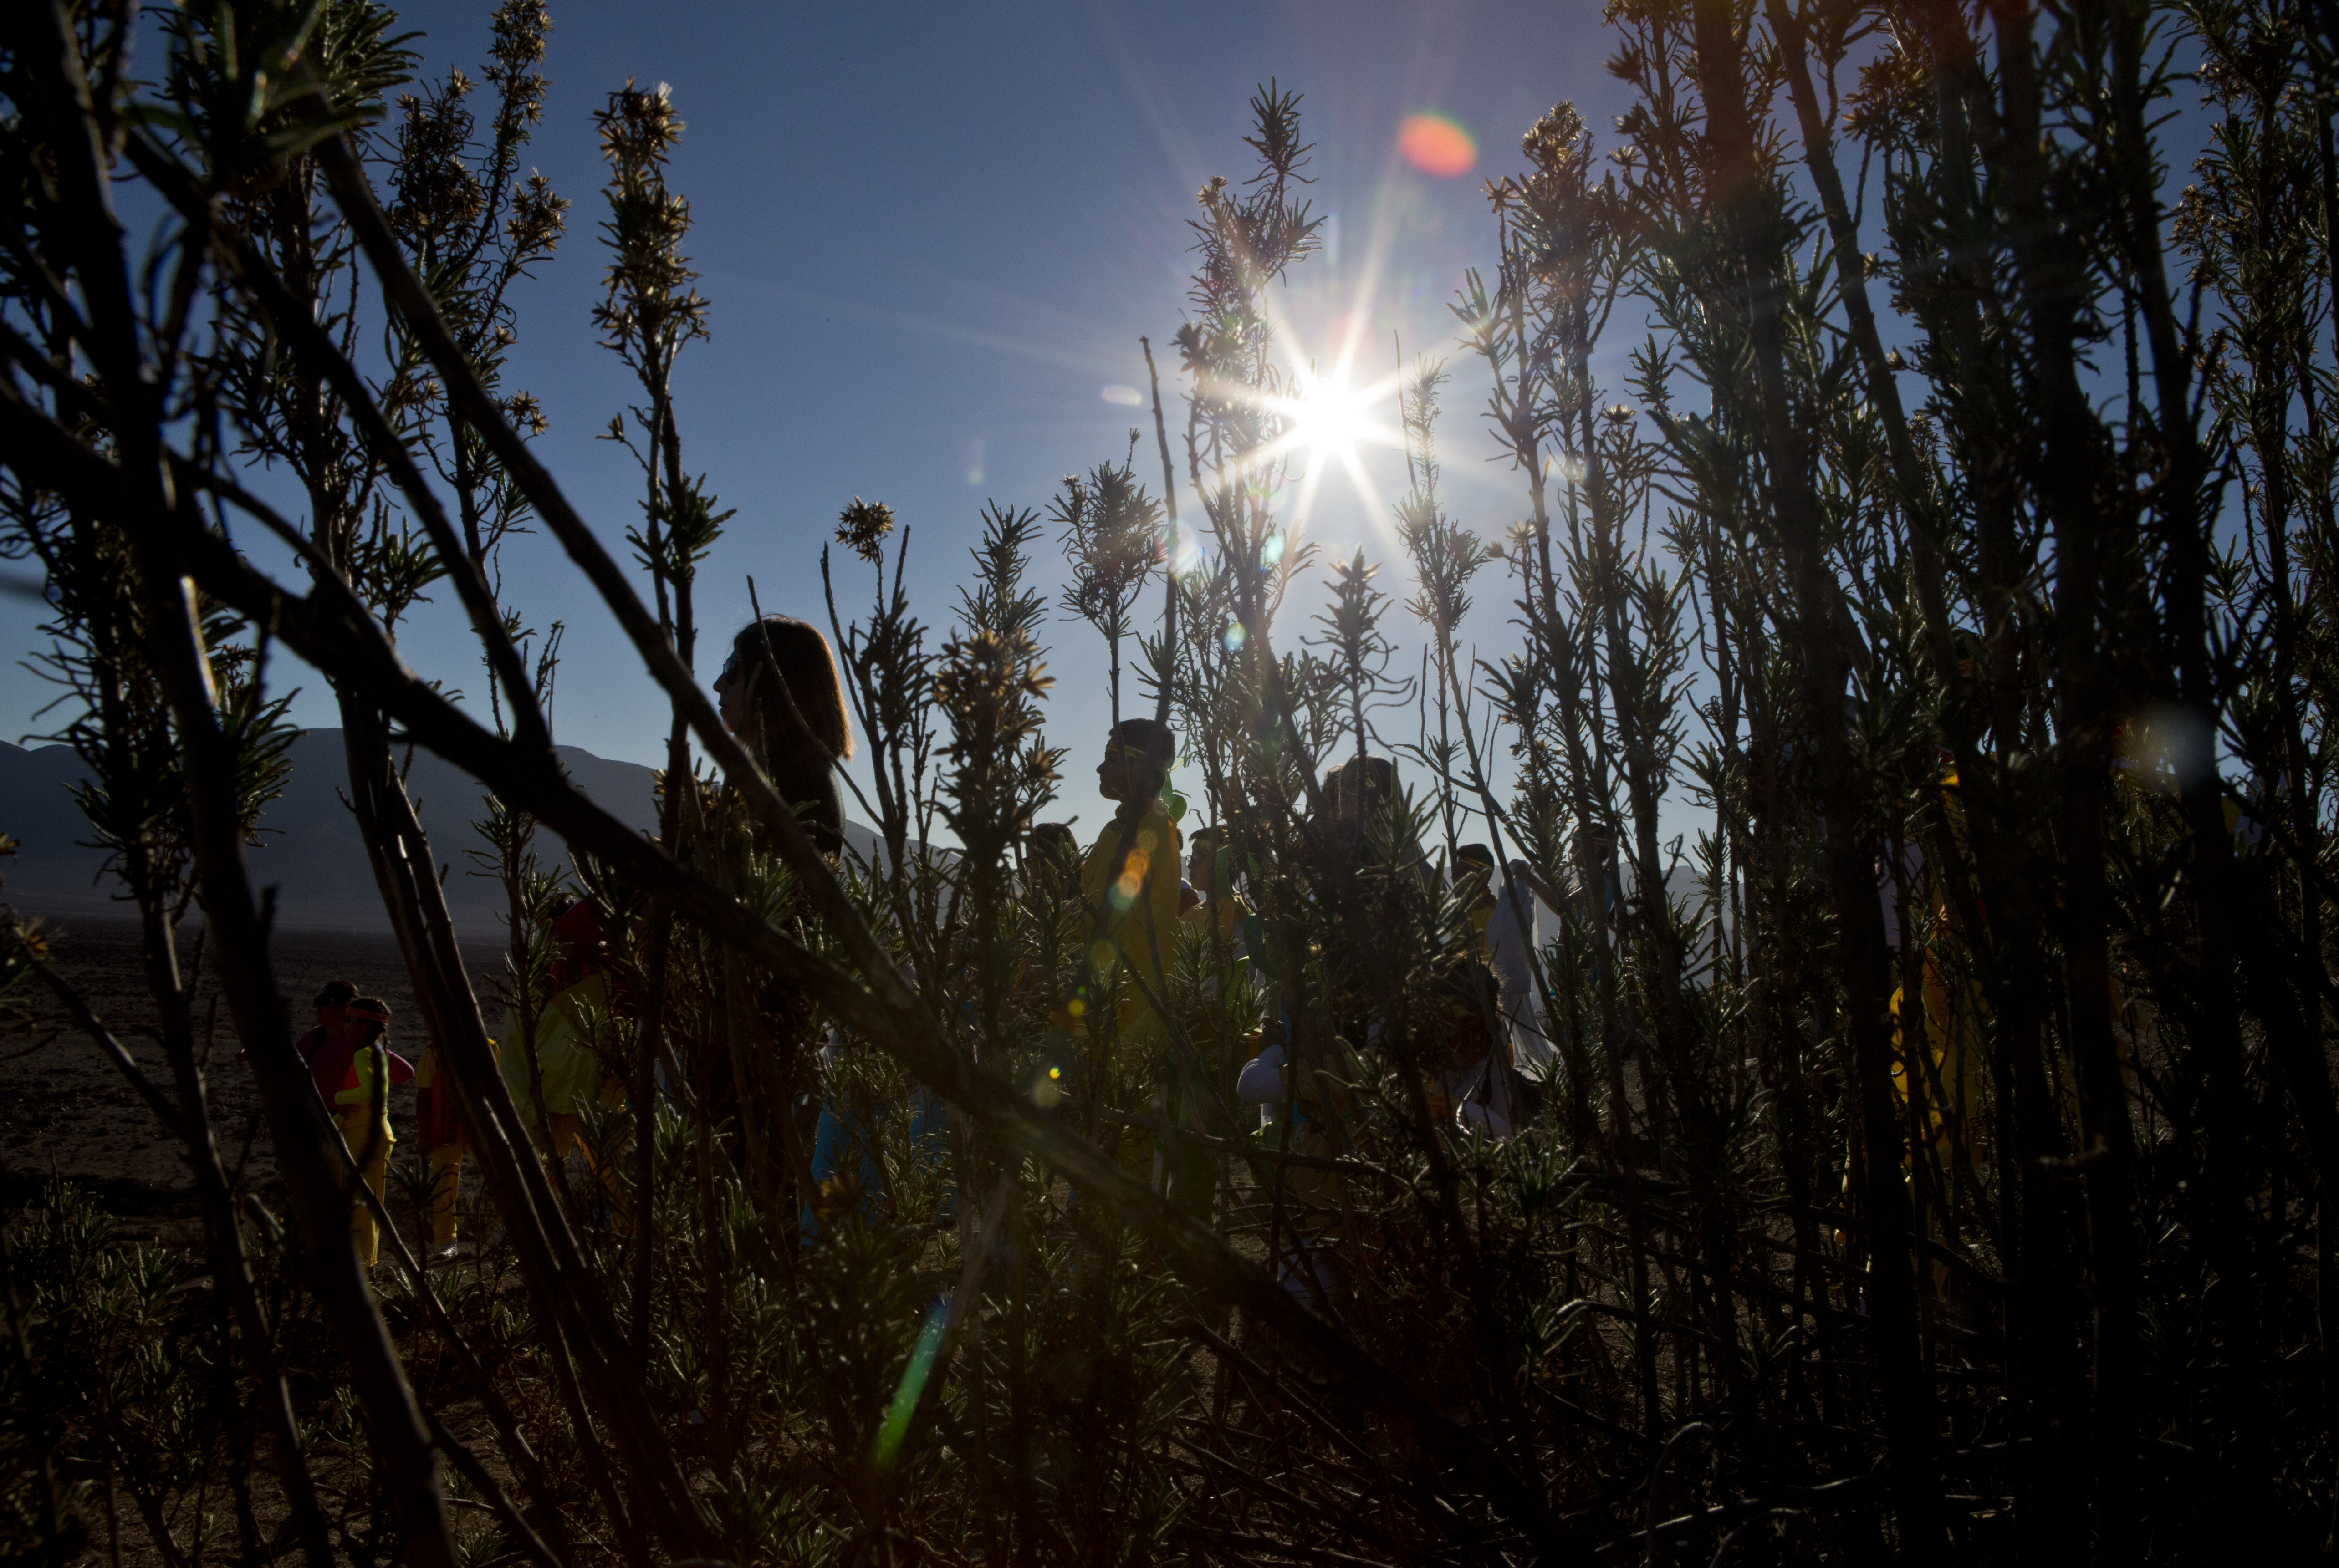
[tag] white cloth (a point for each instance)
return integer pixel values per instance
(1481, 1100)
(1510, 940)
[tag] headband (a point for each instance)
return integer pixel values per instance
(377, 1014)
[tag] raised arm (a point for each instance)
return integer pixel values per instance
(1527, 876)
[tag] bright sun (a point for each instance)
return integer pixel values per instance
(1328, 423)
(1329, 417)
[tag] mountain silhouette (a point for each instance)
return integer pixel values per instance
(309, 850)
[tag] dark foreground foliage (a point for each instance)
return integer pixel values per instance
(1930, 1158)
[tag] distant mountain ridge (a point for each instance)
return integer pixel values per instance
(309, 850)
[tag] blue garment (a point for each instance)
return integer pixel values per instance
(1261, 1083)
(841, 1141)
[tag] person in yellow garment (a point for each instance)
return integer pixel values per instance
(441, 1131)
(1220, 908)
(567, 1066)
(361, 1107)
(1128, 904)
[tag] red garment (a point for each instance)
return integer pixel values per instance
(330, 1064)
(580, 951)
(435, 1117)
(329, 1061)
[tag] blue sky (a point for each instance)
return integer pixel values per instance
(931, 236)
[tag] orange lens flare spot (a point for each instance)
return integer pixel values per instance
(1436, 145)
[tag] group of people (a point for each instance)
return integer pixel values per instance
(1467, 1035)
(550, 1063)
(348, 1059)
(1124, 905)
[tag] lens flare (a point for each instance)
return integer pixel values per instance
(888, 1446)
(1434, 144)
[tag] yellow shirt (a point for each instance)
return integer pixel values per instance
(1229, 910)
(1140, 917)
(565, 1055)
(362, 1107)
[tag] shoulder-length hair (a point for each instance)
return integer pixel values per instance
(796, 678)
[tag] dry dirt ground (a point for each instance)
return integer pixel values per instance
(67, 1111)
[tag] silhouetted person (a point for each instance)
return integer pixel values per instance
(781, 697)
(1356, 789)
(1131, 898)
(780, 694)
(1053, 861)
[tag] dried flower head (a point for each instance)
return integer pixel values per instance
(991, 687)
(651, 309)
(525, 413)
(985, 682)
(521, 28)
(1112, 542)
(538, 217)
(1555, 139)
(862, 528)
(434, 192)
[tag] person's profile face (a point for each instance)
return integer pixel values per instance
(1116, 773)
(730, 699)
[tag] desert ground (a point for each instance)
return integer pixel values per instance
(67, 1111)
